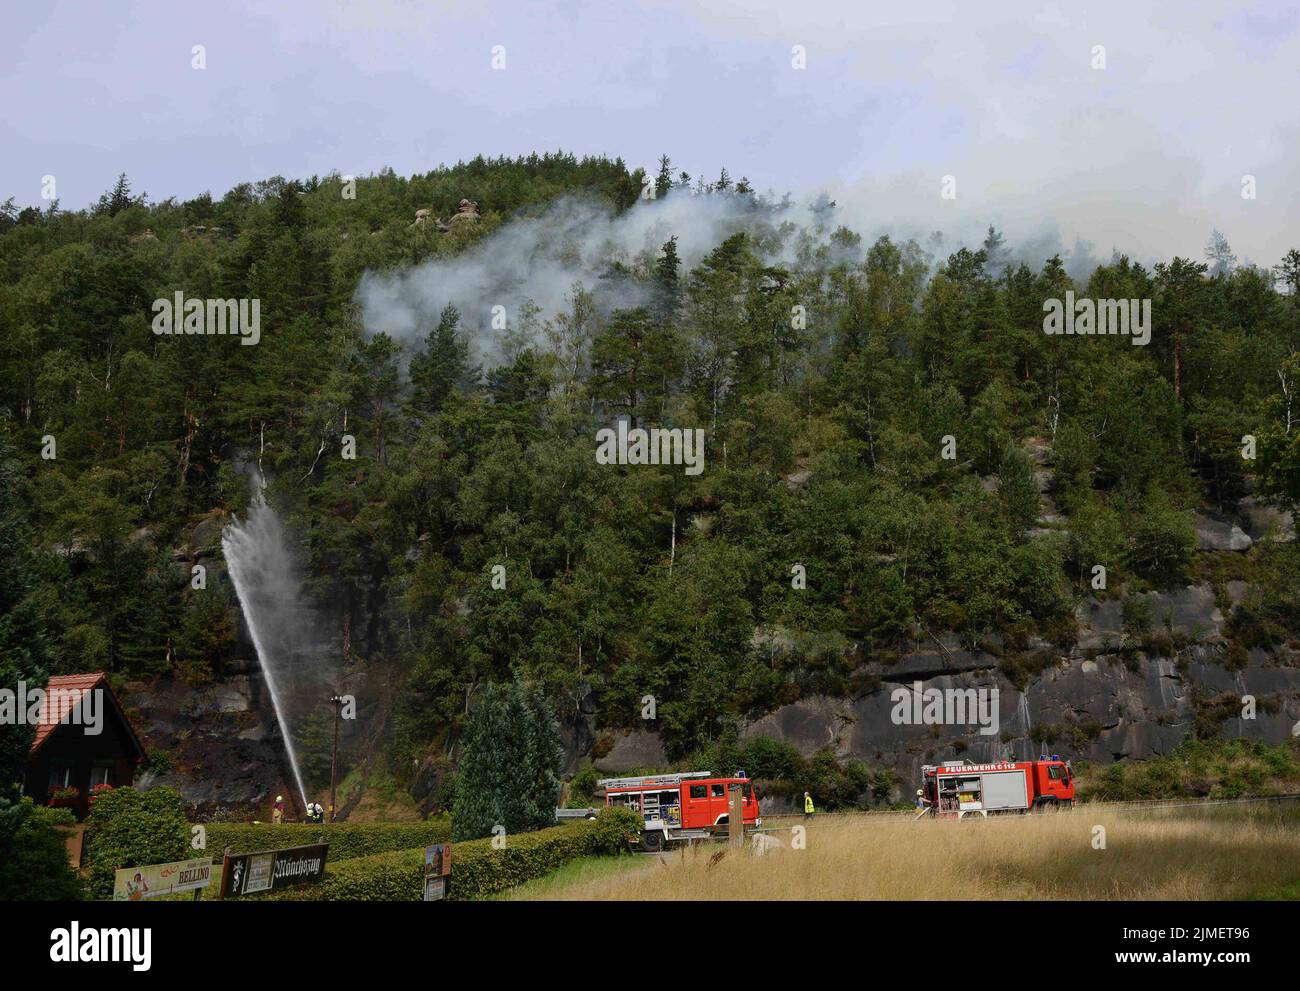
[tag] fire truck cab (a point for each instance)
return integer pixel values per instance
(682, 807)
(958, 788)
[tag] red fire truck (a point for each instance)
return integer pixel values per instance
(681, 807)
(956, 788)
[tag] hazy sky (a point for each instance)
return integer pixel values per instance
(1147, 154)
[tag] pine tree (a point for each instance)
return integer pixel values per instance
(442, 364)
(664, 181)
(117, 199)
(1219, 254)
(289, 212)
(995, 252)
(480, 779)
(510, 767)
(666, 269)
(1288, 270)
(545, 757)
(24, 654)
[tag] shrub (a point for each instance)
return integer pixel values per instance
(1197, 768)
(583, 788)
(160, 761)
(34, 864)
(769, 758)
(477, 869)
(782, 772)
(346, 839)
(1135, 611)
(130, 828)
(1017, 488)
(1162, 541)
(1022, 668)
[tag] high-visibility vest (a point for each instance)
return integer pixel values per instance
(807, 803)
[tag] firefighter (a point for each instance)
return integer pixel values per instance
(277, 813)
(808, 809)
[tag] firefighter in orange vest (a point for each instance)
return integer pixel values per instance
(808, 809)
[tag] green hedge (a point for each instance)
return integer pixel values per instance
(477, 869)
(347, 840)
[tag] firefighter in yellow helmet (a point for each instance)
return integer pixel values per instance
(808, 809)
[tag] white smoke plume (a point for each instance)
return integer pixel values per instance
(540, 259)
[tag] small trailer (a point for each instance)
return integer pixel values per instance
(956, 788)
(680, 808)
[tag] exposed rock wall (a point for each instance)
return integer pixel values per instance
(220, 741)
(1101, 700)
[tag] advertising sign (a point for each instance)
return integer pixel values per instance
(133, 884)
(437, 859)
(437, 868)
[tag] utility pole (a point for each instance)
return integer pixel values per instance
(736, 816)
(334, 759)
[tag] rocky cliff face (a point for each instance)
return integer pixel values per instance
(1104, 699)
(223, 750)
(1092, 701)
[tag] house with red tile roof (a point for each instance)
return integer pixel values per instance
(83, 739)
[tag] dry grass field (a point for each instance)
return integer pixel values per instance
(1224, 853)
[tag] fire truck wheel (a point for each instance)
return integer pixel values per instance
(652, 841)
(1048, 805)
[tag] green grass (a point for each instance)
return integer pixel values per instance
(575, 872)
(1285, 892)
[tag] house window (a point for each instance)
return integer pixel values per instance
(101, 774)
(60, 774)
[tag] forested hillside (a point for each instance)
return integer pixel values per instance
(826, 370)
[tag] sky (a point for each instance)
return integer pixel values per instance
(1146, 154)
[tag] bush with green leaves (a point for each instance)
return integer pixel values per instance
(346, 839)
(783, 772)
(34, 861)
(1162, 541)
(130, 828)
(1017, 489)
(1211, 768)
(583, 787)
